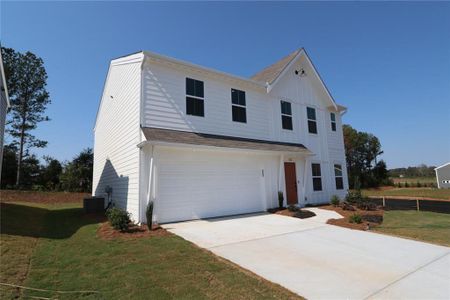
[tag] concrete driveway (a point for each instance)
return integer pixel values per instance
(320, 261)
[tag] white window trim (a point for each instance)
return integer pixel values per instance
(286, 115)
(342, 176)
(239, 105)
(308, 119)
(312, 176)
(195, 97)
(335, 122)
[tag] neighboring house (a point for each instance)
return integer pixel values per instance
(202, 143)
(4, 105)
(443, 176)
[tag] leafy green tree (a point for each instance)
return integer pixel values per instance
(26, 79)
(9, 166)
(362, 150)
(77, 174)
(49, 177)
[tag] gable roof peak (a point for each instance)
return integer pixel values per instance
(270, 73)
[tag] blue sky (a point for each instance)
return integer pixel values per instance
(389, 63)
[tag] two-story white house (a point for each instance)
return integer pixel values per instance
(202, 143)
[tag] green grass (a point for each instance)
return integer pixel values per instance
(425, 226)
(65, 254)
(410, 192)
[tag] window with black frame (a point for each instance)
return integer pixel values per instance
(338, 177)
(238, 106)
(312, 121)
(286, 115)
(195, 98)
(333, 121)
(316, 177)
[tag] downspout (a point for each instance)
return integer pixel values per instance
(305, 178)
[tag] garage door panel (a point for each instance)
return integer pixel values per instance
(208, 185)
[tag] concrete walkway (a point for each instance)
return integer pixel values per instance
(320, 261)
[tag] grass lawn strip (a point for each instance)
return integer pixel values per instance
(69, 256)
(409, 192)
(424, 226)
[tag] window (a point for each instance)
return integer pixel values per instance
(195, 97)
(238, 106)
(312, 124)
(338, 177)
(316, 176)
(286, 115)
(333, 121)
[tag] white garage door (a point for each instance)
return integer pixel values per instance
(193, 185)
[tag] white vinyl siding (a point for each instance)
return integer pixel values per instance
(117, 132)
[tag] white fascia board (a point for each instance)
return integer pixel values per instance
(305, 152)
(8, 104)
(444, 165)
(179, 63)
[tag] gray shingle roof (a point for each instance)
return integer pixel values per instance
(192, 138)
(270, 73)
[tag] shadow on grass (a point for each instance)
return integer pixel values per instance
(24, 220)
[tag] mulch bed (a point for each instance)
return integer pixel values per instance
(107, 232)
(41, 197)
(371, 218)
(301, 214)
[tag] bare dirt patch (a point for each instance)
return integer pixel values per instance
(371, 218)
(107, 232)
(41, 197)
(300, 213)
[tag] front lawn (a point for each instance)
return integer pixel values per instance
(55, 246)
(425, 226)
(409, 192)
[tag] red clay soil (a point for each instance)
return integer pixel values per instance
(302, 214)
(107, 232)
(41, 197)
(371, 218)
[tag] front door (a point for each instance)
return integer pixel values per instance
(290, 178)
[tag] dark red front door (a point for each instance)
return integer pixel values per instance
(291, 183)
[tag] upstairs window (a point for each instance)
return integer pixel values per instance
(286, 115)
(312, 122)
(195, 98)
(333, 121)
(316, 177)
(338, 177)
(238, 106)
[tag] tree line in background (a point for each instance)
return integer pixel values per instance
(26, 79)
(412, 172)
(52, 175)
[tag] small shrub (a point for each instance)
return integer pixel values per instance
(355, 218)
(418, 184)
(119, 219)
(335, 200)
(399, 185)
(353, 196)
(280, 199)
(303, 214)
(149, 215)
(293, 208)
(406, 184)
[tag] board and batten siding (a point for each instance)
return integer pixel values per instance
(116, 135)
